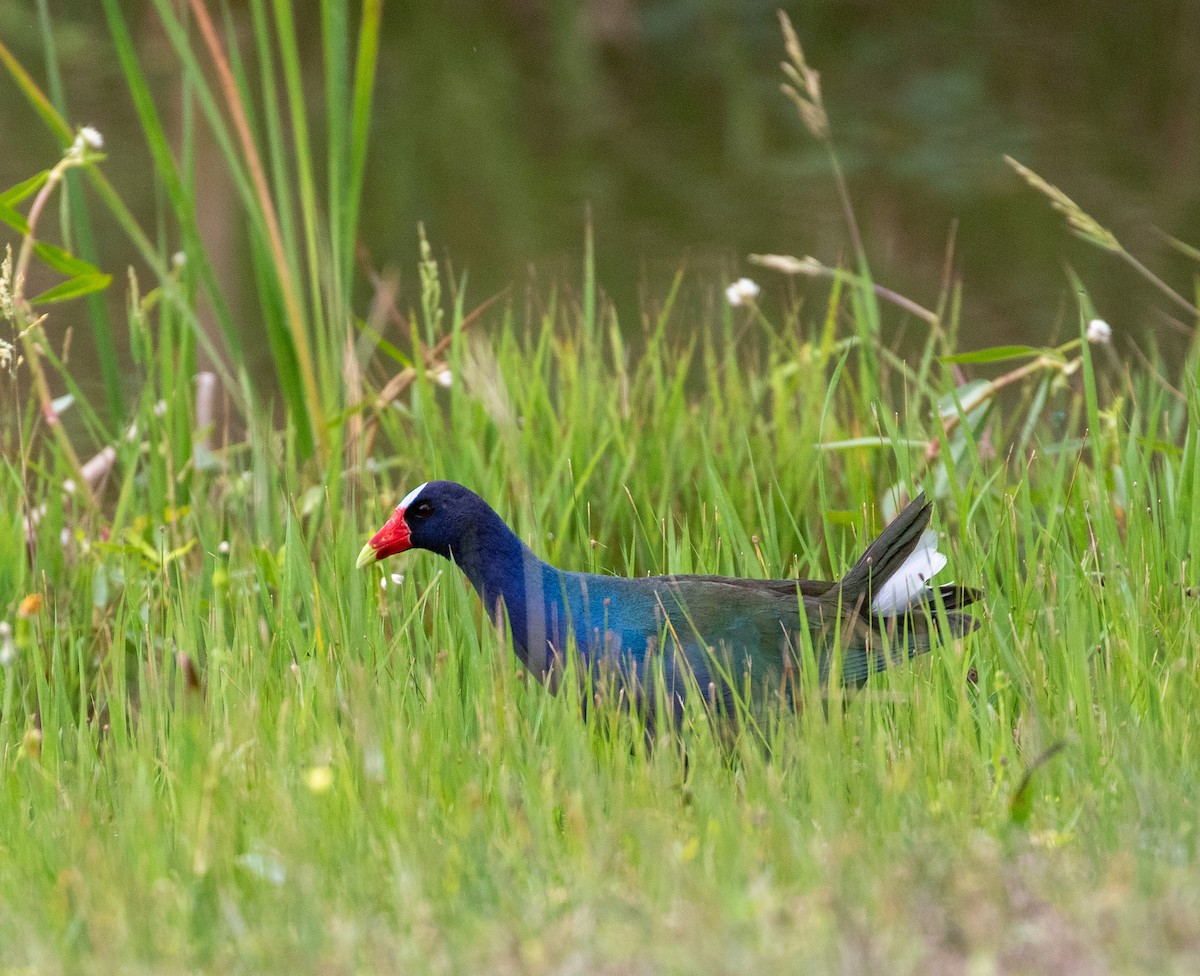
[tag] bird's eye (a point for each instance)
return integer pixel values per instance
(422, 510)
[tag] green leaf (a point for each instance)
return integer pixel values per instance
(63, 403)
(100, 587)
(854, 442)
(15, 194)
(55, 122)
(136, 546)
(63, 261)
(14, 220)
(1181, 246)
(996, 354)
(82, 285)
(179, 552)
(969, 397)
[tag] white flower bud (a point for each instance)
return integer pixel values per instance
(1098, 332)
(742, 292)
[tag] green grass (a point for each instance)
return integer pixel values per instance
(224, 750)
(363, 782)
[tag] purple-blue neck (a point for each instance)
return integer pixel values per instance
(502, 568)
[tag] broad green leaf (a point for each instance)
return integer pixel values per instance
(15, 194)
(63, 261)
(14, 219)
(996, 354)
(83, 285)
(134, 547)
(969, 397)
(179, 552)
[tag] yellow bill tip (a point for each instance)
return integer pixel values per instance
(366, 557)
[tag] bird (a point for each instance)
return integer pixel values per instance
(663, 638)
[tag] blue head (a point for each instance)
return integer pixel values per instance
(441, 516)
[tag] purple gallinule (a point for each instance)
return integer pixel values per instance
(722, 634)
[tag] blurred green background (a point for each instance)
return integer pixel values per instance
(499, 123)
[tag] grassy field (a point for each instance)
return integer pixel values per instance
(224, 750)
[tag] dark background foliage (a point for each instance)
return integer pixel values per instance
(499, 123)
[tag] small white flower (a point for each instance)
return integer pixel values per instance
(444, 377)
(742, 292)
(1098, 332)
(8, 649)
(397, 579)
(160, 408)
(383, 582)
(69, 486)
(223, 547)
(87, 140)
(178, 260)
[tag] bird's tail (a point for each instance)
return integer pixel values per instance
(889, 612)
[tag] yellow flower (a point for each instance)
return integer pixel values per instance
(319, 779)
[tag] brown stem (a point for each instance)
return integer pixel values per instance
(404, 379)
(860, 252)
(986, 393)
(812, 268)
(29, 330)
